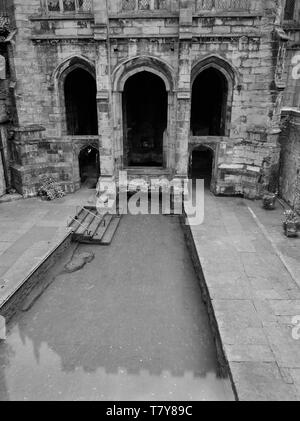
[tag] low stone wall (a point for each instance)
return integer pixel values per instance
(35, 279)
(290, 158)
(244, 167)
(224, 370)
(2, 180)
(35, 156)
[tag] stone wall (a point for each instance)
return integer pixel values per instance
(173, 43)
(2, 179)
(292, 91)
(290, 158)
(36, 156)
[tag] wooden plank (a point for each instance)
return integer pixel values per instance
(101, 229)
(80, 220)
(87, 222)
(111, 231)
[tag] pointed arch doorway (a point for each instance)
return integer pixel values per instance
(209, 103)
(201, 166)
(89, 166)
(145, 120)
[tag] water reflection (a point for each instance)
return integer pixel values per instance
(29, 379)
(127, 328)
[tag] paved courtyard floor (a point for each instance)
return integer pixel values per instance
(253, 275)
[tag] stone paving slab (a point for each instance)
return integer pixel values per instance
(252, 272)
(261, 381)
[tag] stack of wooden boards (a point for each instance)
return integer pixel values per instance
(90, 227)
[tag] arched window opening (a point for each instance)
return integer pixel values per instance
(209, 103)
(289, 9)
(145, 114)
(81, 103)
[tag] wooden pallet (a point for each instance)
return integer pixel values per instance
(90, 227)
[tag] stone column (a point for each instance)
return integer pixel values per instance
(106, 189)
(26, 170)
(184, 91)
(105, 114)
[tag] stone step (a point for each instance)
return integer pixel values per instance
(148, 172)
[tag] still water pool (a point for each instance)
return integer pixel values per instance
(131, 325)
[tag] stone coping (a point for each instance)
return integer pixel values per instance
(209, 139)
(61, 16)
(29, 128)
(149, 15)
(166, 14)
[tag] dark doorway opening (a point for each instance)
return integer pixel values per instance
(89, 167)
(201, 165)
(145, 115)
(81, 103)
(209, 104)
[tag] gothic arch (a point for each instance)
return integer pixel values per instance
(139, 64)
(59, 77)
(71, 63)
(120, 75)
(225, 75)
(219, 63)
(80, 146)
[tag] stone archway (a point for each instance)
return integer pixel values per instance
(89, 166)
(209, 103)
(145, 118)
(201, 164)
(213, 80)
(122, 75)
(80, 94)
(74, 81)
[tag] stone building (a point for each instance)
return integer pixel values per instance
(290, 138)
(6, 95)
(156, 87)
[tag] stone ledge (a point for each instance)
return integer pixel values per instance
(144, 15)
(230, 14)
(61, 37)
(15, 290)
(82, 16)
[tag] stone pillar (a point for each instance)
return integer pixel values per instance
(106, 184)
(104, 103)
(2, 178)
(26, 170)
(184, 91)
